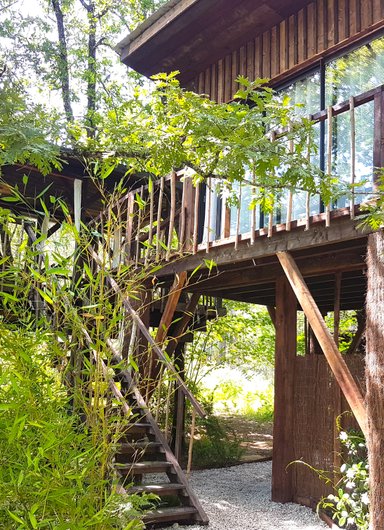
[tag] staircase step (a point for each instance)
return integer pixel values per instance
(163, 515)
(139, 468)
(147, 447)
(167, 488)
(139, 427)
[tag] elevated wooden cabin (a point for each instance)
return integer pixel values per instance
(328, 55)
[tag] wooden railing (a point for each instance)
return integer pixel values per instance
(214, 236)
(171, 217)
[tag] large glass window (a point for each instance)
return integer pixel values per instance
(331, 83)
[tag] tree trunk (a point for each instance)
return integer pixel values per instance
(63, 67)
(91, 73)
(375, 377)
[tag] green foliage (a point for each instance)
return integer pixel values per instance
(244, 338)
(372, 217)
(215, 448)
(27, 133)
(52, 473)
(349, 504)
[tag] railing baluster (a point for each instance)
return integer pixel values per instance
(158, 227)
(151, 215)
(196, 217)
(172, 215)
(270, 224)
(353, 154)
(329, 161)
(182, 215)
(208, 213)
(308, 196)
(290, 194)
(139, 218)
(253, 211)
(238, 219)
(129, 228)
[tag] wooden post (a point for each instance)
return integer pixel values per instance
(338, 366)
(378, 146)
(337, 403)
(285, 355)
(179, 406)
(353, 154)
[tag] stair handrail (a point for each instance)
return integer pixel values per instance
(143, 329)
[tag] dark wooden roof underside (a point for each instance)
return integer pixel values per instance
(192, 34)
(59, 184)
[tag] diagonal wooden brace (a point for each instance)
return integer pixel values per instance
(141, 326)
(335, 360)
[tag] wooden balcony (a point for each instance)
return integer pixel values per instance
(170, 223)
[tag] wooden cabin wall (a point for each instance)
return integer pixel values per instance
(317, 30)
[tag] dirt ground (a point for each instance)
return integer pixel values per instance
(256, 438)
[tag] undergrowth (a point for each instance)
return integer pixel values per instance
(54, 473)
(214, 447)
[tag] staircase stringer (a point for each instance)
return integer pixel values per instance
(170, 457)
(201, 516)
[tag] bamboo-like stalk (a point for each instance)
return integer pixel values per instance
(196, 217)
(191, 440)
(159, 210)
(168, 409)
(329, 162)
(353, 154)
(172, 215)
(208, 217)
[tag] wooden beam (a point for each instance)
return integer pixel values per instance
(247, 275)
(272, 313)
(182, 325)
(285, 356)
(338, 366)
(144, 330)
(341, 229)
(170, 308)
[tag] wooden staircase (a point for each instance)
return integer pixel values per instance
(146, 464)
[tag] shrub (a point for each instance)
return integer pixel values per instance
(215, 448)
(349, 505)
(55, 471)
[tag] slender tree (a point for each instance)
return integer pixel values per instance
(375, 376)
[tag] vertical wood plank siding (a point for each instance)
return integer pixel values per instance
(307, 35)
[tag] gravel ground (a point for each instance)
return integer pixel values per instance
(238, 498)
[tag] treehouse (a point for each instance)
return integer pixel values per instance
(302, 260)
(305, 256)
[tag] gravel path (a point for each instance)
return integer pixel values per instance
(238, 498)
